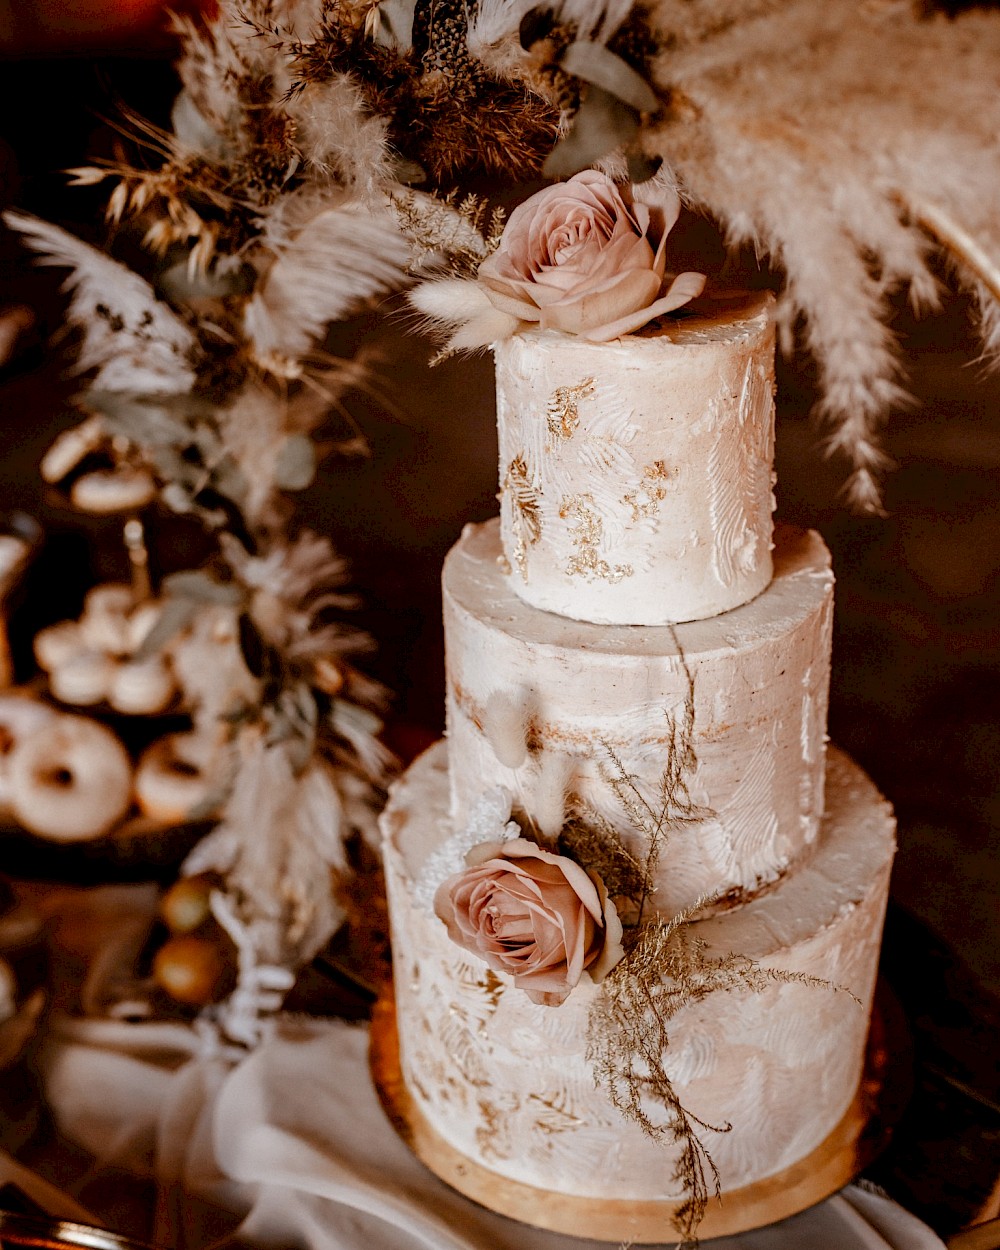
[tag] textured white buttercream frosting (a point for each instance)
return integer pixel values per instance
(508, 1084)
(537, 703)
(636, 476)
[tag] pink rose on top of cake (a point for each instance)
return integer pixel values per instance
(588, 258)
(535, 915)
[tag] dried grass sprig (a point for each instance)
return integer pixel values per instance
(674, 806)
(453, 237)
(665, 971)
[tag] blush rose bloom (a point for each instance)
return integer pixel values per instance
(588, 258)
(537, 916)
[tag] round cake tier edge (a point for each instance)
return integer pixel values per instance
(836, 1161)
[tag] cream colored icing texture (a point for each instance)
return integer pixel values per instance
(537, 703)
(636, 476)
(508, 1083)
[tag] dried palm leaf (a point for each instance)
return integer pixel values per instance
(133, 340)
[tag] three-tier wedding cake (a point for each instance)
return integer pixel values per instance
(636, 661)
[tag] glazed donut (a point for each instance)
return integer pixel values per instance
(171, 780)
(13, 551)
(113, 490)
(8, 991)
(70, 780)
(141, 623)
(56, 644)
(70, 447)
(84, 679)
(20, 716)
(141, 688)
(104, 623)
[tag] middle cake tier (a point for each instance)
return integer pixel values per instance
(717, 727)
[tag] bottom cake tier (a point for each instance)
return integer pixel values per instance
(508, 1085)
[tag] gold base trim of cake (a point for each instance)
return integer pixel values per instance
(856, 1140)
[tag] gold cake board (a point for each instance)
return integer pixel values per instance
(832, 1164)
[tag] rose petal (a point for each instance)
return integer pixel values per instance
(576, 877)
(608, 303)
(531, 914)
(662, 201)
(508, 299)
(678, 294)
(612, 951)
(484, 851)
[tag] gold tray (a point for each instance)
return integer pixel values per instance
(837, 1160)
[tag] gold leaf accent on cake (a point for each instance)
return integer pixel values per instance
(493, 1134)
(554, 1117)
(587, 534)
(483, 986)
(645, 500)
(461, 1048)
(562, 415)
(525, 499)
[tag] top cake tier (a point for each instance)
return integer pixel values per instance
(636, 476)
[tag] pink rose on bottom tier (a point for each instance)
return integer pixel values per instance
(535, 915)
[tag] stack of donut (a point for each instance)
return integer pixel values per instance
(68, 778)
(116, 485)
(94, 660)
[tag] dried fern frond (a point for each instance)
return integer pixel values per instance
(666, 971)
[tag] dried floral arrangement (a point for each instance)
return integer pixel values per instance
(315, 164)
(278, 202)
